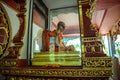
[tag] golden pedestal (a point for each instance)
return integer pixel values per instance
(58, 58)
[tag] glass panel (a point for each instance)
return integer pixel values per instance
(105, 43)
(59, 42)
(71, 34)
(117, 47)
(37, 30)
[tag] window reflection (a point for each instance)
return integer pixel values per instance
(71, 34)
(117, 47)
(52, 44)
(105, 42)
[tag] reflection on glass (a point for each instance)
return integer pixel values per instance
(59, 43)
(37, 37)
(117, 47)
(105, 44)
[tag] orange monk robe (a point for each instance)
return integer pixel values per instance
(46, 40)
(53, 34)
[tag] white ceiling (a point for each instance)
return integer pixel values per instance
(53, 4)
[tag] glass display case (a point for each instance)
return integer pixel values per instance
(44, 39)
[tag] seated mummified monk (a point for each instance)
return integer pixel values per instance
(57, 34)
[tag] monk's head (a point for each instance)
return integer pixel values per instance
(61, 26)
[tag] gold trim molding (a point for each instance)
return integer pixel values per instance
(90, 11)
(18, 38)
(8, 62)
(5, 29)
(98, 72)
(92, 67)
(97, 62)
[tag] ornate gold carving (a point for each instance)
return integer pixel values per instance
(55, 78)
(98, 72)
(89, 39)
(90, 11)
(14, 51)
(29, 78)
(93, 48)
(19, 36)
(84, 1)
(21, 5)
(92, 67)
(93, 28)
(95, 62)
(8, 62)
(5, 32)
(3, 40)
(115, 30)
(89, 44)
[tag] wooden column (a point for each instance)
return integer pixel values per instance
(91, 44)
